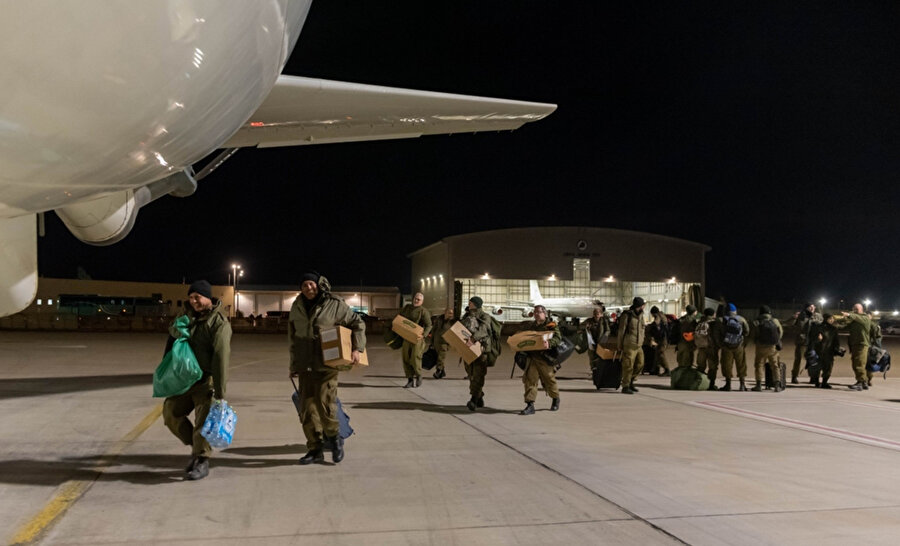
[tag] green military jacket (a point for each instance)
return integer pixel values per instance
(597, 327)
(754, 330)
(304, 328)
(829, 344)
(440, 326)
(211, 342)
(805, 325)
(546, 326)
(420, 315)
(860, 327)
(687, 323)
(631, 329)
(477, 322)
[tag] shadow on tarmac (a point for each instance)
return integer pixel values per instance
(434, 408)
(41, 386)
(171, 469)
(363, 385)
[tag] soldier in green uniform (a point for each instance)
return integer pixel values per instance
(629, 342)
(412, 352)
(827, 347)
(536, 367)
(860, 326)
(658, 334)
(314, 309)
(705, 340)
(598, 328)
(734, 339)
(684, 351)
(477, 322)
(806, 320)
(441, 324)
(767, 332)
(211, 342)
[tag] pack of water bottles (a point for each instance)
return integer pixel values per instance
(218, 429)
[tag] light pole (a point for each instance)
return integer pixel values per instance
(234, 283)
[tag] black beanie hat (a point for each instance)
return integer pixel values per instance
(690, 309)
(477, 301)
(654, 310)
(310, 276)
(637, 302)
(201, 287)
(764, 310)
(709, 311)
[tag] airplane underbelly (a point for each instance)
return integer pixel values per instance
(107, 95)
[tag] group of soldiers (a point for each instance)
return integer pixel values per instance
(538, 369)
(721, 337)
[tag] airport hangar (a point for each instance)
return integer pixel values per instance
(609, 265)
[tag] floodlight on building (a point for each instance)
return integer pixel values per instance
(822, 302)
(552, 277)
(672, 280)
(434, 278)
(441, 276)
(895, 313)
(867, 302)
(609, 279)
(485, 276)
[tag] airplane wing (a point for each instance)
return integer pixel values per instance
(302, 111)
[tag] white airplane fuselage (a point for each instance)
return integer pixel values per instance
(185, 74)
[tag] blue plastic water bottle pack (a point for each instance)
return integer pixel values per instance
(218, 429)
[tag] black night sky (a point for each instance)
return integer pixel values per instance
(768, 131)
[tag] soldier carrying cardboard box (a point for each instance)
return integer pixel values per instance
(412, 351)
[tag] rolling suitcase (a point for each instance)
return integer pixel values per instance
(607, 373)
(782, 367)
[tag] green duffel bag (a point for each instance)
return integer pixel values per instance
(392, 339)
(689, 379)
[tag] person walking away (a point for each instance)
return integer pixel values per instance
(659, 339)
(536, 367)
(210, 340)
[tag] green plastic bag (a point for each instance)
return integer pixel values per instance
(179, 369)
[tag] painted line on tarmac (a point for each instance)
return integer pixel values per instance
(802, 425)
(70, 492)
(631, 514)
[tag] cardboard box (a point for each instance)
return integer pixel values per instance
(456, 336)
(529, 340)
(604, 353)
(407, 329)
(337, 345)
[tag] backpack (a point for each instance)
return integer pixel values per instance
(734, 332)
(701, 334)
(493, 350)
(768, 332)
(879, 361)
(674, 332)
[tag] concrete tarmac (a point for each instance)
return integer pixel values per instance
(85, 459)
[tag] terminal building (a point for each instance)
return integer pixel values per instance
(567, 266)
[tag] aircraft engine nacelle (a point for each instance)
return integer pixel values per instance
(109, 219)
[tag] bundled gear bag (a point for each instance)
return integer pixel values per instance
(493, 350)
(879, 361)
(178, 370)
(701, 334)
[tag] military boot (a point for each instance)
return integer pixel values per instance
(472, 404)
(337, 448)
(757, 388)
(635, 389)
(554, 405)
(856, 386)
(480, 402)
(200, 470)
(727, 386)
(743, 387)
(529, 409)
(409, 382)
(418, 382)
(712, 385)
(313, 456)
(190, 466)
(779, 386)
(825, 385)
(794, 380)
